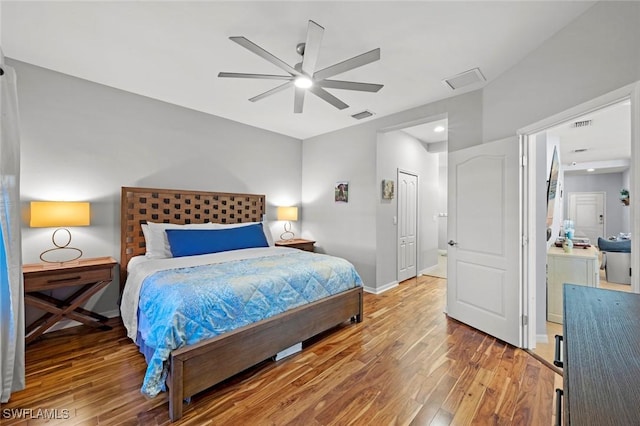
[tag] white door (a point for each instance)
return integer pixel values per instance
(485, 251)
(407, 225)
(586, 209)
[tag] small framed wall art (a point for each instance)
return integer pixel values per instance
(342, 192)
(388, 189)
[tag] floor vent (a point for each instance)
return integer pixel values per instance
(363, 114)
(466, 78)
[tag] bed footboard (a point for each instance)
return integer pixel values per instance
(200, 366)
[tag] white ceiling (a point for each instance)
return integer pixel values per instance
(607, 140)
(173, 51)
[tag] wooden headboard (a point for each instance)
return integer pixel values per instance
(139, 205)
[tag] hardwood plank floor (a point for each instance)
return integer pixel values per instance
(406, 363)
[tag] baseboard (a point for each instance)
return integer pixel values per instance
(382, 289)
(542, 338)
(426, 271)
(71, 323)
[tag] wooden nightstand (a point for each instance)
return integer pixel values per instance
(92, 275)
(299, 243)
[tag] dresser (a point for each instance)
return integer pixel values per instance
(601, 383)
(580, 267)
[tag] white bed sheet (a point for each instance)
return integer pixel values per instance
(140, 267)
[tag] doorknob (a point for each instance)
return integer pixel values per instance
(452, 243)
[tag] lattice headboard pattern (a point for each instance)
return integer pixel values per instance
(139, 205)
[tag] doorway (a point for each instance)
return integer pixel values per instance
(407, 225)
(587, 211)
(416, 148)
(575, 118)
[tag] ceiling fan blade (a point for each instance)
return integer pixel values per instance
(350, 85)
(323, 94)
(242, 41)
(349, 64)
(298, 101)
(263, 76)
(271, 92)
(312, 48)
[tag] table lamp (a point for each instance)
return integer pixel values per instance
(59, 214)
(288, 214)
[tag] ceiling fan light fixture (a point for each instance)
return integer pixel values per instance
(303, 82)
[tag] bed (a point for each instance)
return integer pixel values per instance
(195, 367)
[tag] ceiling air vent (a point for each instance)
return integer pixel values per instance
(583, 123)
(363, 114)
(466, 78)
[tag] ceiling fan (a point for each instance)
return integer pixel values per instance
(303, 76)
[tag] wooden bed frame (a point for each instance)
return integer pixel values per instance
(197, 367)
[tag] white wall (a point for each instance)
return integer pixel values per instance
(83, 141)
(398, 150)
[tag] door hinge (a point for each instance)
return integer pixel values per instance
(525, 320)
(525, 240)
(523, 163)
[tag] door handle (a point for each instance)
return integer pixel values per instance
(452, 243)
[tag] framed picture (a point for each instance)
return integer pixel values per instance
(342, 192)
(388, 187)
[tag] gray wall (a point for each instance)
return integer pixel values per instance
(349, 230)
(83, 141)
(398, 150)
(616, 213)
(597, 53)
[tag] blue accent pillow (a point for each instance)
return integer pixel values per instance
(191, 242)
(623, 246)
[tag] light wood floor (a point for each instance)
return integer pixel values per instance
(406, 363)
(547, 350)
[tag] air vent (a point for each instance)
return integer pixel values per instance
(583, 123)
(466, 78)
(363, 114)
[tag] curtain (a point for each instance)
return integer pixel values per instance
(11, 286)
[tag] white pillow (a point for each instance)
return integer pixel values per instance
(156, 240)
(157, 243)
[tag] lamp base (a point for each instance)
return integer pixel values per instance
(287, 234)
(58, 246)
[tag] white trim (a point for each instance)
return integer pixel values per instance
(382, 289)
(542, 338)
(426, 271)
(632, 92)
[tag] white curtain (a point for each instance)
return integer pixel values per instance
(11, 287)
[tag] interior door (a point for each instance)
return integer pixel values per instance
(407, 225)
(484, 287)
(586, 209)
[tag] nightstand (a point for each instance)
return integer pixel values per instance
(90, 275)
(299, 243)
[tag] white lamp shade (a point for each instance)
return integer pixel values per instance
(288, 213)
(46, 214)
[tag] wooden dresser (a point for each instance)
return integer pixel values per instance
(601, 357)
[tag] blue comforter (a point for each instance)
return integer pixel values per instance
(183, 306)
